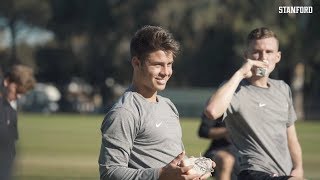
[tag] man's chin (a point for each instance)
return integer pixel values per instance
(161, 87)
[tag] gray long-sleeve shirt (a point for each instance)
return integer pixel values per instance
(139, 137)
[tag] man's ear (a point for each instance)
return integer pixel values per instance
(135, 62)
(6, 82)
(278, 56)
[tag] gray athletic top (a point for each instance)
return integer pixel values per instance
(257, 119)
(139, 137)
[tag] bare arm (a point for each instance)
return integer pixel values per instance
(219, 102)
(295, 152)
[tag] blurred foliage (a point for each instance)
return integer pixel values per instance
(92, 37)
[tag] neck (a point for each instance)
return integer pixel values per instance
(149, 94)
(259, 81)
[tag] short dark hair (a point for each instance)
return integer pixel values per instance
(23, 76)
(152, 38)
(261, 33)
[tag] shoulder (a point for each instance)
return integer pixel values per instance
(164, 99)
(128, 103)
(4, 104)
(124, 111)
(168, 102)
(242, 85)
(280, 84)
(1, 100)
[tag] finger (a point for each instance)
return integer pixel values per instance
(177, 160)
(206, 175)
(186, 168)
(191, 176)
(264, 61)
(258, 63)
(213, 164)
(249, 63)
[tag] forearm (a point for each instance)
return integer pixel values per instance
(220, 100)
(118, 172)
(295, 152)
(296, 155)
(114, 160)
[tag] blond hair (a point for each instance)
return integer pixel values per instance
(261, 33)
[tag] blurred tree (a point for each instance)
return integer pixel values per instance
(92, 37)
(98, 34)
(34, 12)
(310, 55)
(213, 35)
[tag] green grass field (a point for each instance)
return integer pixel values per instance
(63, 146)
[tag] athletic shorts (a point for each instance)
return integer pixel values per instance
(258, 175)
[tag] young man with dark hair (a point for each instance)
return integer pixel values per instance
(17, 81)
(141, 134)
(259, 114)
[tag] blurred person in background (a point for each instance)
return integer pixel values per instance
(259, 114)
(16, 81)
(221, 151)
(141, 134)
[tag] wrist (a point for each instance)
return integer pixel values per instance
(298, 167)
(300, 170)
(239, 76)
(297, 171)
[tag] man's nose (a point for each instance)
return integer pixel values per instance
(165, 70)
(263, 56)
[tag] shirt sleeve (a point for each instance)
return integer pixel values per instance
(292, 117)
(119, 130)
(206, 125)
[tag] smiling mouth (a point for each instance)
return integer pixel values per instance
(161, 81)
